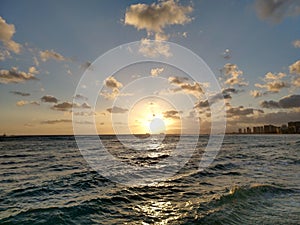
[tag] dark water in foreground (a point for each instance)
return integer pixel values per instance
(253, 180)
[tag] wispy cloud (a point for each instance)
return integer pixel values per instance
(117, 109)
(277, 10)
(296, 43)
(51, 54)
(23, 103)
(154, 49)
(56, 121)
(24, 94)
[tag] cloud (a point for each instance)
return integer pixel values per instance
(295, 68)
(256, 93)
(49, 98)
(296, 43)
(46, 55)
(4, 54)
(171, 114)
(22, 103)
(56, 121)
(80, 97)
(276, 10)
(154, 49)
(155, 17)
(6, 33)
(111, 82)
(183, 85)
(241, 111)
(287, 102)
(90, 113)
(20, 93)
(296, 81)
(273, 83)
(33, 70)
(116, 109)
(67, 106)
(15, 76)
(224, 95)
(234, 74)
(156, 71)
(115, 85)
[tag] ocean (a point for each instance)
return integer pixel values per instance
(254, 179)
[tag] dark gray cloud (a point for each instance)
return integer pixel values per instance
(15, 76)
(67, 106)
(49, 98)
(24, 94)
(172, 114)
(116, 109)
(290, 101)
(80, 97)
(241, 111)
(224, 95)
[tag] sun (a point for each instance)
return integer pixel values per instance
(157, 126)
(147, 116)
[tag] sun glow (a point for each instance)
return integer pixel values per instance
(146, 116)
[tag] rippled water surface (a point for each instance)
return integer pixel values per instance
(253, 180)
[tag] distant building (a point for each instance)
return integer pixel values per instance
(248, 130)
(294, 127)
(270, 129)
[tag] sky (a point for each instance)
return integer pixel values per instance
(46, 48)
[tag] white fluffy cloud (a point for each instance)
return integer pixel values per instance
(233, 74)
(111, 82)
(15, 76)
(155, 17)
(295, 67)
(256, 93)
(273, 83)
(156, 71)
(6, 33)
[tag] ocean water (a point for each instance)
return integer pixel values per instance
(253, 180)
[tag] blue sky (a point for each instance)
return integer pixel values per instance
(257, 39)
